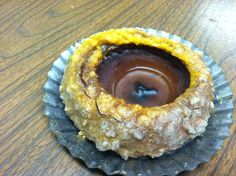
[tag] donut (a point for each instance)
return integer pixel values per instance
(135, 93)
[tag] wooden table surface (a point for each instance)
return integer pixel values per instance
(33, 33)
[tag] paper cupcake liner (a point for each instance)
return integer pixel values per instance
(186, 158)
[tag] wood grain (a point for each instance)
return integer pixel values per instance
(34, 33)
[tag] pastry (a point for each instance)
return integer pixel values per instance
(135, 93)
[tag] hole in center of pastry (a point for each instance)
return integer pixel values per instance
(142, 75)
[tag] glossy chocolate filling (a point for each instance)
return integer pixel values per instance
(142, 75)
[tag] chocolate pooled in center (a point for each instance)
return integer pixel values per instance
(143, 75)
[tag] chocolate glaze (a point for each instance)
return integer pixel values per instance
(142, 75)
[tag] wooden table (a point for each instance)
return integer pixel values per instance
(34, 33)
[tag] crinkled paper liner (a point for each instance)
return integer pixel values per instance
(186, 158)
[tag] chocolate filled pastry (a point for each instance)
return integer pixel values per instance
(135, 93)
